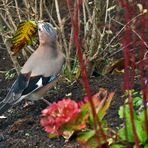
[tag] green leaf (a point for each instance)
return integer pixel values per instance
(124, 110)
(106, 104)
(52, 135)
(117, 146)
(88, 139)
(84, 136)
(142, 116)
(141, 131)
(137, 101)
(91, 120)
(141, 127)
(79, 121)
(139, 121)
(84, 110)
(121, 112)
(91, 143)
(146, 146)
(101, 104)
(122, 135)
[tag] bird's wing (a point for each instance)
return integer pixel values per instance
(37, 82)
(44, 84)
(22, 87)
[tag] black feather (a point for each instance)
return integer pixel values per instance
(20, 84)
(32, 85)
(46, 80)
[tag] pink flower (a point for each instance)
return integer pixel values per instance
(86, 99)
(80, 103)
(58, 114)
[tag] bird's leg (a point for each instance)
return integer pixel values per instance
(46, 101)
(28, 103)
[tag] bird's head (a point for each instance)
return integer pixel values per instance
(47, 33)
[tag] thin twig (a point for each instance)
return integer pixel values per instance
(9, 16)
(36, 9)
(58, 12)
(27, 7)
(13, 58)
(61, 26)
(17, 10)
(5, 21)
(49, 14)
(121, 31)
(84, 18)
(102, 34)
(41, 9)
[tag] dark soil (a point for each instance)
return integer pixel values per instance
(22, 129)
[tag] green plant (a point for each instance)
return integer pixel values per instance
(10, 74)
(125, 133)
(68, 117)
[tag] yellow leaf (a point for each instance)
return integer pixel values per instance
(77, 72)
(23, 36)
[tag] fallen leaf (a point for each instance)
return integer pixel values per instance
(19, 123)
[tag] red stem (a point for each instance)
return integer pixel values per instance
(141, 66)
(75, 26)
(126, 41)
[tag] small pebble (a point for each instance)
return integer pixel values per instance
(26, 134)
(3, 117)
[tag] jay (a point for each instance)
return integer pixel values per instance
(39, 72)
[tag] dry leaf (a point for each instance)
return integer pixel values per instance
(116, 67)
(23, 36)
(18, 123)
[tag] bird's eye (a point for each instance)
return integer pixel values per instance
(39, 29)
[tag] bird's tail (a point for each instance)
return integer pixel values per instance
(14, 95)
(4, 107)
(7, 103)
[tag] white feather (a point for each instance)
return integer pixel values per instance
(39, 83)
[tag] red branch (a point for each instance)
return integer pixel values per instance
(141, 67)
(126, 40)
(76, 28)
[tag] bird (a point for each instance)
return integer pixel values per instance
(41, 70)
